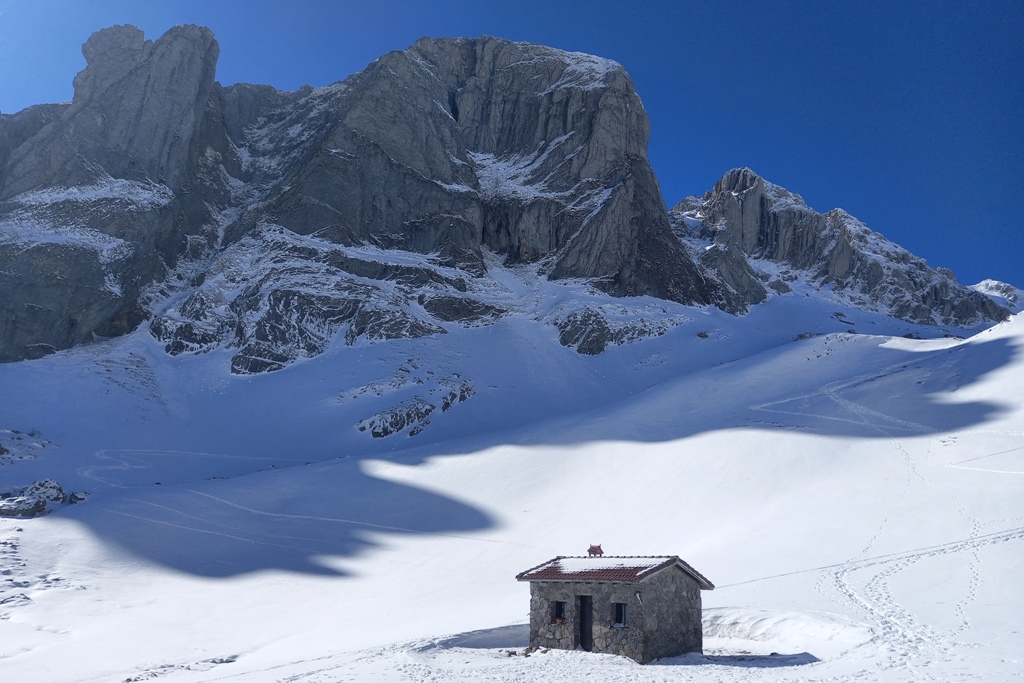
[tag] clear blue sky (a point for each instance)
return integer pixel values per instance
(908, 114)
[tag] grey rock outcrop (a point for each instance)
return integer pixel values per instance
(453, 147)
(35, 499)
(136, 108)
(590, 332)
(746, 220)
(275, 223)
(95, 196)
(456, 145)
(1002, 293)
(462, 310)
(278, 297)
(22, 506)
(412, 415)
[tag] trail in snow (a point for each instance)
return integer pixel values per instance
(864, 416)
(127, 461)
(352, 522)
(960, 464)
(940, 549)
(909, 646)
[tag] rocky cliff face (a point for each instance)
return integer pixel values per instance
(276, 223)
(96, 197)
(452, 147)
(757, 238)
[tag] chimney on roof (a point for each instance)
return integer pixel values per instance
(595, 551)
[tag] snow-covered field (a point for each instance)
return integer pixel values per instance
(858, 500)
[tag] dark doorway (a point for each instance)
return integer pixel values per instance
(586, 612)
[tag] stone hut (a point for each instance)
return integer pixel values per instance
(644, 608)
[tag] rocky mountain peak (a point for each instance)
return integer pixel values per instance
(136, 109)
(738, 180)
(110, 55)
(457, 148)
(277, 223)
(757, 238)
(100, 192)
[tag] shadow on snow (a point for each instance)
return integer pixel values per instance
(517, 636)
(905, 394)
(745, 661)
(291, 517)
(286, 519)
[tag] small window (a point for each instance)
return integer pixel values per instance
(558, 612)
(620, 614)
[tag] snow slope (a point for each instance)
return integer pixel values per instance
(858, 500)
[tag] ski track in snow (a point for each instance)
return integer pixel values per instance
(902, 642)
(862, 414)
(960, 465)
(239, 535)
(128, 460)
(905, 643)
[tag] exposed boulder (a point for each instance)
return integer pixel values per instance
(591, 331)
(459, 309)
(47, 490)
(22, 506)
(36, 499)
(587, 331)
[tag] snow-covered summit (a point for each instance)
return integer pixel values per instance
(1002, 293)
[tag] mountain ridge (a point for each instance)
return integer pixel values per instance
(756, 236)
(451, 149)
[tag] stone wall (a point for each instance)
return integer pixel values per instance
(663, 616)
(672, 614)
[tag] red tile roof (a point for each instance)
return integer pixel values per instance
(609, 568)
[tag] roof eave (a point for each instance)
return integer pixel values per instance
(519, 578)
(701, 580)
(671, 561)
